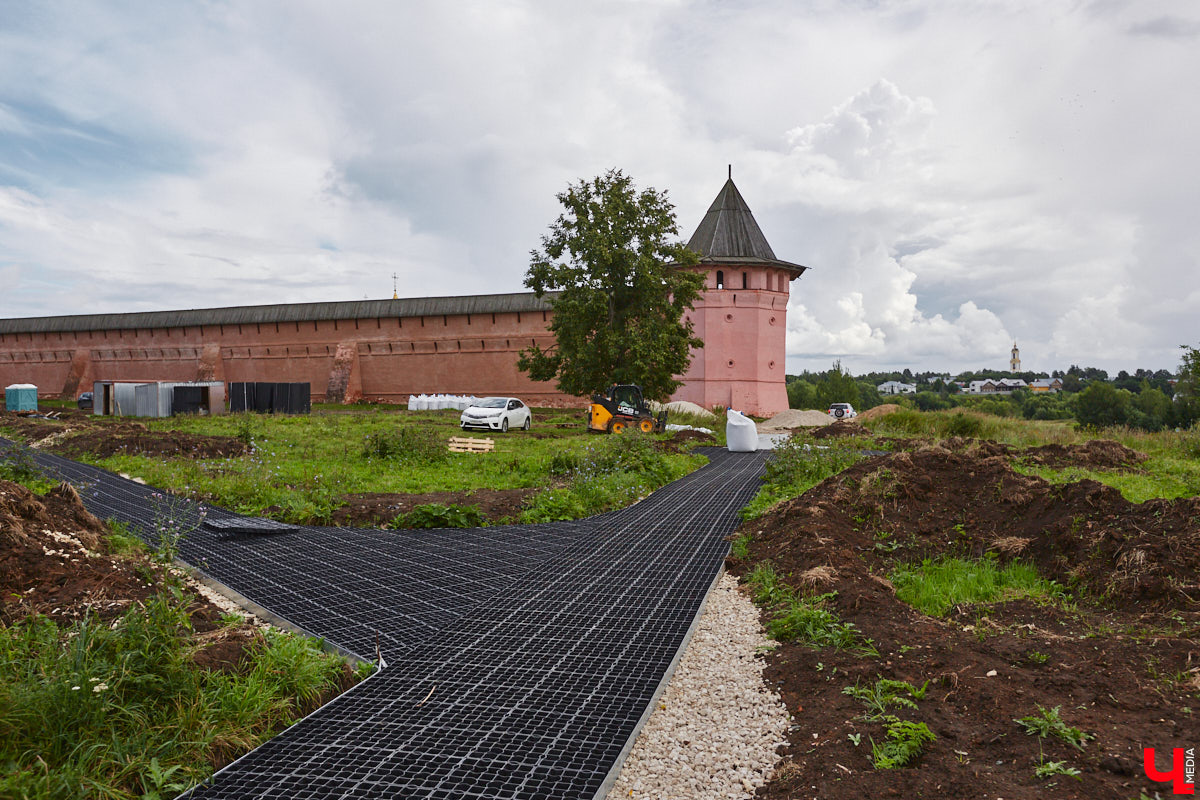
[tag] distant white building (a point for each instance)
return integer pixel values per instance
(896, 387)
(1001, 386)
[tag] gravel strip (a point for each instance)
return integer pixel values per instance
(717, 727)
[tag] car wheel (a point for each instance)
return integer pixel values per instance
(528, 422)
(839, 413)
(504, 425)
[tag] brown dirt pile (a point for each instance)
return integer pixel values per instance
(52, 560)
(1122, 666)
(103, 437)
(838, 429)
(879, 411)
(378, 508)
(1099, 454)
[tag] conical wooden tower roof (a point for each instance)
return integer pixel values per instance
(728, 234)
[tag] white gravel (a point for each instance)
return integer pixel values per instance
(716, 729)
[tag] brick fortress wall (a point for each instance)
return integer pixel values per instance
(378, 357)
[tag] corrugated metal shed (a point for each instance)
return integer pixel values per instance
(289, 312)
(729, 234)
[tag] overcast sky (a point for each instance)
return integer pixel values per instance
(958, 175)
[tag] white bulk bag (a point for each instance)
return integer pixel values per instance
(741, 434)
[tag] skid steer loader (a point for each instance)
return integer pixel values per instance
(622, 407)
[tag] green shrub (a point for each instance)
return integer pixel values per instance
(965, 425)
(436, 515)
(410, 444)
(795, 467)
(798, 617)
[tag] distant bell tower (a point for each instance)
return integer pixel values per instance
(741, 313)
(1014, 363)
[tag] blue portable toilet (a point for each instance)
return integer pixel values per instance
(20, 397)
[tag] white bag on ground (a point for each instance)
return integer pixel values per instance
(741, 434)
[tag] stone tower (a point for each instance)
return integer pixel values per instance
(1014, 363)
(741, 314)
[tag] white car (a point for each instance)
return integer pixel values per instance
(842, 411)
(496, 414)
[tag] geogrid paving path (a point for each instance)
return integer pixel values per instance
(520, 658)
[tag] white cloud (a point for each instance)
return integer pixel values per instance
(957, 175)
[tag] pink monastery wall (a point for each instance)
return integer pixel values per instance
(378, 358)
(386, 358)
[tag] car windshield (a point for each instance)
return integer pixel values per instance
(492, 402)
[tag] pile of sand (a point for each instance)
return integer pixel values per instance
(685, 407)
(795, 418)
(879, 411)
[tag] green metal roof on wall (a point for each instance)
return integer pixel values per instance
(519, 302)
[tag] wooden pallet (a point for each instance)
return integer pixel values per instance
(461, 445)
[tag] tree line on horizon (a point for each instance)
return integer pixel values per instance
(1149, 400)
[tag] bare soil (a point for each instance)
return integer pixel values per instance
(76, 433)
(1122, 664)
(377, 508)
(837, 429)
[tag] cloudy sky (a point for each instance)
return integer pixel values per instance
(958, 175)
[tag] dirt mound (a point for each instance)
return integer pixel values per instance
(1121, 666)
(795, 418)
(1081, 533)
(879, 411)
(134, 439)
(52, 560)
(839, 428)
(1098, 454)
(103, 437)
(375, 509)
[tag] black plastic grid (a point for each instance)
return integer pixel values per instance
(521, 657)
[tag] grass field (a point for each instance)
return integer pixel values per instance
(301, 467)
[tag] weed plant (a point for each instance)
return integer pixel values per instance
(904, 743)
(795, 467)
(804, 618)
(436, 515)
(408, 445)
(1049, 722)
(884, 694)
(610, 472)
(935, 586)
(18, 465)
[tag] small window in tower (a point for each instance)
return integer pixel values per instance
(720, 279)
(745, 280)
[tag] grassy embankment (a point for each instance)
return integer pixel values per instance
(121, 709)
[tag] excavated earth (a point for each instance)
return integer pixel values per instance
(55, 560)
(76, 433)
(1122, 662)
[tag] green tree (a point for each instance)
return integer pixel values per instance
(1102, 405)
(802, 394)
(836, 386)
(621, 295)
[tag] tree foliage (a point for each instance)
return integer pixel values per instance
(612, 258)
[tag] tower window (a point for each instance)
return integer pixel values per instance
(745, 280)
(720, 279)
